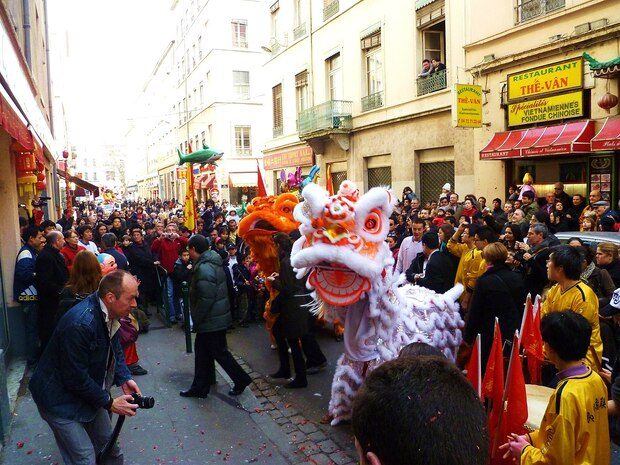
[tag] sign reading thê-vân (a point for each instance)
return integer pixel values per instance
(548, 79)
(467, 109)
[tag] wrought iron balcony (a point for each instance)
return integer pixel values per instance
(531, 9)
(432, 83)
(372, 101)
(328, 117)
(299, 31)
(331, 9)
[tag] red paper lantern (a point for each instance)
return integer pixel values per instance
(25, 163)
(40, 186)
(607, 101)
(40, 176)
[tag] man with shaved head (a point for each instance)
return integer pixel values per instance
(51, 275)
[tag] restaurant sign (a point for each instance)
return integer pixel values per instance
(545, 109)
(293, 158)
(548, 79)
(467, 109)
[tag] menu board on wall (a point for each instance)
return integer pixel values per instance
(601, 175)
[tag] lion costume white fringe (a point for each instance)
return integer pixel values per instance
(343, 251)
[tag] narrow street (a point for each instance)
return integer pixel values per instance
(213, 430)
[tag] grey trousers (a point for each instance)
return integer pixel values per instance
(79, 442)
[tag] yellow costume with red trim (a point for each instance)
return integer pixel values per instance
(574, 430)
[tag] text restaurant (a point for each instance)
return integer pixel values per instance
(551, 133)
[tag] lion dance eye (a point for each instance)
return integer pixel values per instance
(373, 223)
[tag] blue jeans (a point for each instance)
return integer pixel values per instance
(174, 303)
(32, 336)
(79, 442)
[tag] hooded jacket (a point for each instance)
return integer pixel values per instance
(208, 294)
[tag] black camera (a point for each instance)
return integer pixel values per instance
(143, 401)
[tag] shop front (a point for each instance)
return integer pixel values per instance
(552, 134)
(283, 165)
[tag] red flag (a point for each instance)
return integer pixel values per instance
(514, 416)
(493, 382)
(531, 339)
(528, 308)
(328, 180)
(262, 190)
(474, 368)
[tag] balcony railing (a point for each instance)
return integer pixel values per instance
(277, 131)
(432, 83)
(334, 115)
(330, 10)
(530, 9)
(299, 31)
(372, 101)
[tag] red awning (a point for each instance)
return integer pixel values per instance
(80, 182)
(549, 140)
(14, 125)
(608, 138)
(498, 139)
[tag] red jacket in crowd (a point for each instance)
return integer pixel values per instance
(168, 249)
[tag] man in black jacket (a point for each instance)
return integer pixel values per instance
(431, 269)
(535, 255)
(210, 310)
(51, 274)
(143, 264)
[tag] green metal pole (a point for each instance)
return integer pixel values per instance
(186, 316)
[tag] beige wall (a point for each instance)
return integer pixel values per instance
(9, 227)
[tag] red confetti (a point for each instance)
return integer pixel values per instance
(20, 444)
(30, 451)
(218, 452)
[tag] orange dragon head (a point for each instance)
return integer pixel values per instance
(343, 247)
(266, 216)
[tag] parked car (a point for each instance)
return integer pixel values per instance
(590, 238)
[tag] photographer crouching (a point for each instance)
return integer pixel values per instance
(71, 384)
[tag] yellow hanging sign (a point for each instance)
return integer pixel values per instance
(467, 106)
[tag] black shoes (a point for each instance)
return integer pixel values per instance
(235, 391)
(297, 383)
(312, 370)
(281, 375)
(191, 392)
(137, 370)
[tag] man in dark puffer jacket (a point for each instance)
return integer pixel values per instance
(210, 310)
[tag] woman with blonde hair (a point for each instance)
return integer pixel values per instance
(607, 259)
(83, 280)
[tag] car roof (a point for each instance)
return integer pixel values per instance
(591, 236)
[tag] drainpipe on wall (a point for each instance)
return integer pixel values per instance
(48, 71)
(26, 27)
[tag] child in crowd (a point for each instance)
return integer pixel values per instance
(182, 272)
(241, 277)
(574, 428)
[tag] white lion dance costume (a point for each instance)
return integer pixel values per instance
(349, 265)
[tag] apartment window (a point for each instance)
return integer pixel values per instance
(530, 9)
(210, 132)
(239, 33)
(202, 94)
(200, 47)
(189, 106)
(185, 109)
(274, 22)
(241, 84)
(433, 42)
(300, 14)
(203, 136)
(276, 94)
(374, 63)
(183, 68)
(179, 73)
(197, 147)
(195, 99)
(301, 91)
(334, 68)
(243, 144)
(194, 55)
